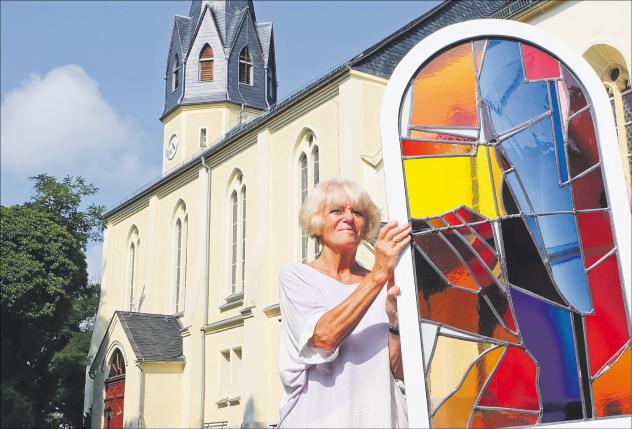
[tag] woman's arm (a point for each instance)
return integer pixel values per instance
(394, 343)
(336, 324)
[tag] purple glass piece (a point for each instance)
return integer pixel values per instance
(548, 334)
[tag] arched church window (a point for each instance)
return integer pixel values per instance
(132, 269)
(245, 66)
(309, 172)
(178, 262)
(175, 68)
(206, 63)
(117, 365)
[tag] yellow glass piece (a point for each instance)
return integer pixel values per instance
(439, 185)
(450, 362)
(444, 92)
(455, 412)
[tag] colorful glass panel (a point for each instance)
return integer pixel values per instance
(513, 243)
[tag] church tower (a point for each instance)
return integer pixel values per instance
(220, 72)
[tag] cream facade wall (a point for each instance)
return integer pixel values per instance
(162, 399)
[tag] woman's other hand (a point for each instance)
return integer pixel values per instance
(391, 241)
(392, 292)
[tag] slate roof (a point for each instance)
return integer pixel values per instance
(264, 31)
(153, 337)
(379, 59)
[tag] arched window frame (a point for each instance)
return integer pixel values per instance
(116, 365)
(133, 253)
(206, 63)
(237, 216)
(175, 71)
(245, 66)
(308, 176)
(180, 257)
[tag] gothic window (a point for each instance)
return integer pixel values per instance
(132, 269)
(237, 204)
(180, 257)
(117, 365)
(206, 63)
(309, 177)
(175, 69)
(133, 252)
(245, 66)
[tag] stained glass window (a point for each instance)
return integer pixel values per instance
(520, 294)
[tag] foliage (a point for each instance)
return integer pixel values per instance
(46, 301)
(63, 201)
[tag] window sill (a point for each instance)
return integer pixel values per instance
(232, 301)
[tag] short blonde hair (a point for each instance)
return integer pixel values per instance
(335, 193)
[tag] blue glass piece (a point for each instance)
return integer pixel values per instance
(511, 100)
(532, 153)
(535, 232)
(559, 135)
(559, 233)
(511, 180)
(547, 333)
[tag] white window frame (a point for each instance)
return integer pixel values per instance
(236, 216)
(412, 336)
(180, 272)
(133, 256)
(307, 177)
(203, 136)
(246, 61)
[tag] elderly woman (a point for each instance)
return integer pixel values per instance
(340, 347)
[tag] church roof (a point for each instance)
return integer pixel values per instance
(379, 59)
(153, 337)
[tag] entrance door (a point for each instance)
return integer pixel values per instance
(114, 393)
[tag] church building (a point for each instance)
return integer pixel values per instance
(188, 324)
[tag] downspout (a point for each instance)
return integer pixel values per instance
(265, 85)
(141, 389)
(207, 245)
(183, 67)
(621, 134)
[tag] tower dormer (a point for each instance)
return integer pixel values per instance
(220, 72)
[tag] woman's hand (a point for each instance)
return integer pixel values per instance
(392, 292)
(391, 241)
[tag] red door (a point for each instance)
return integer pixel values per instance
(114, 393)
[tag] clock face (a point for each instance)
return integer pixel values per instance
(172, 147)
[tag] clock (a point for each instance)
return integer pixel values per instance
(172, 147)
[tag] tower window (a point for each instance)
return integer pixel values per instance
(206, 63)
(245, 66)
(175, 69)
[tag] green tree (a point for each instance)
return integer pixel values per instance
(46, 299)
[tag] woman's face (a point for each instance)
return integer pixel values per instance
(343, 226)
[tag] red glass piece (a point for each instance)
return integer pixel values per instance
(596, 235)
(490, 419)
(582, 143)
(423, 148)
(607, 328)
(467, 253)
(588, 191)
(468, 215)
(514, 384)
(428, 135)
(539, 65)
(577, 100)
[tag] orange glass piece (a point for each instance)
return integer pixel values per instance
(455, 412)
(463, 310)
(612, 390)
(502, 419)
(444, 91)
(421, 148)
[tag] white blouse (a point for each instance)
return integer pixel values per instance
(349, 387)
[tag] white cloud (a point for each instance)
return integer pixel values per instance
(61, 124)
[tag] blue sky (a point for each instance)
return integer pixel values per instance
(82, 81)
